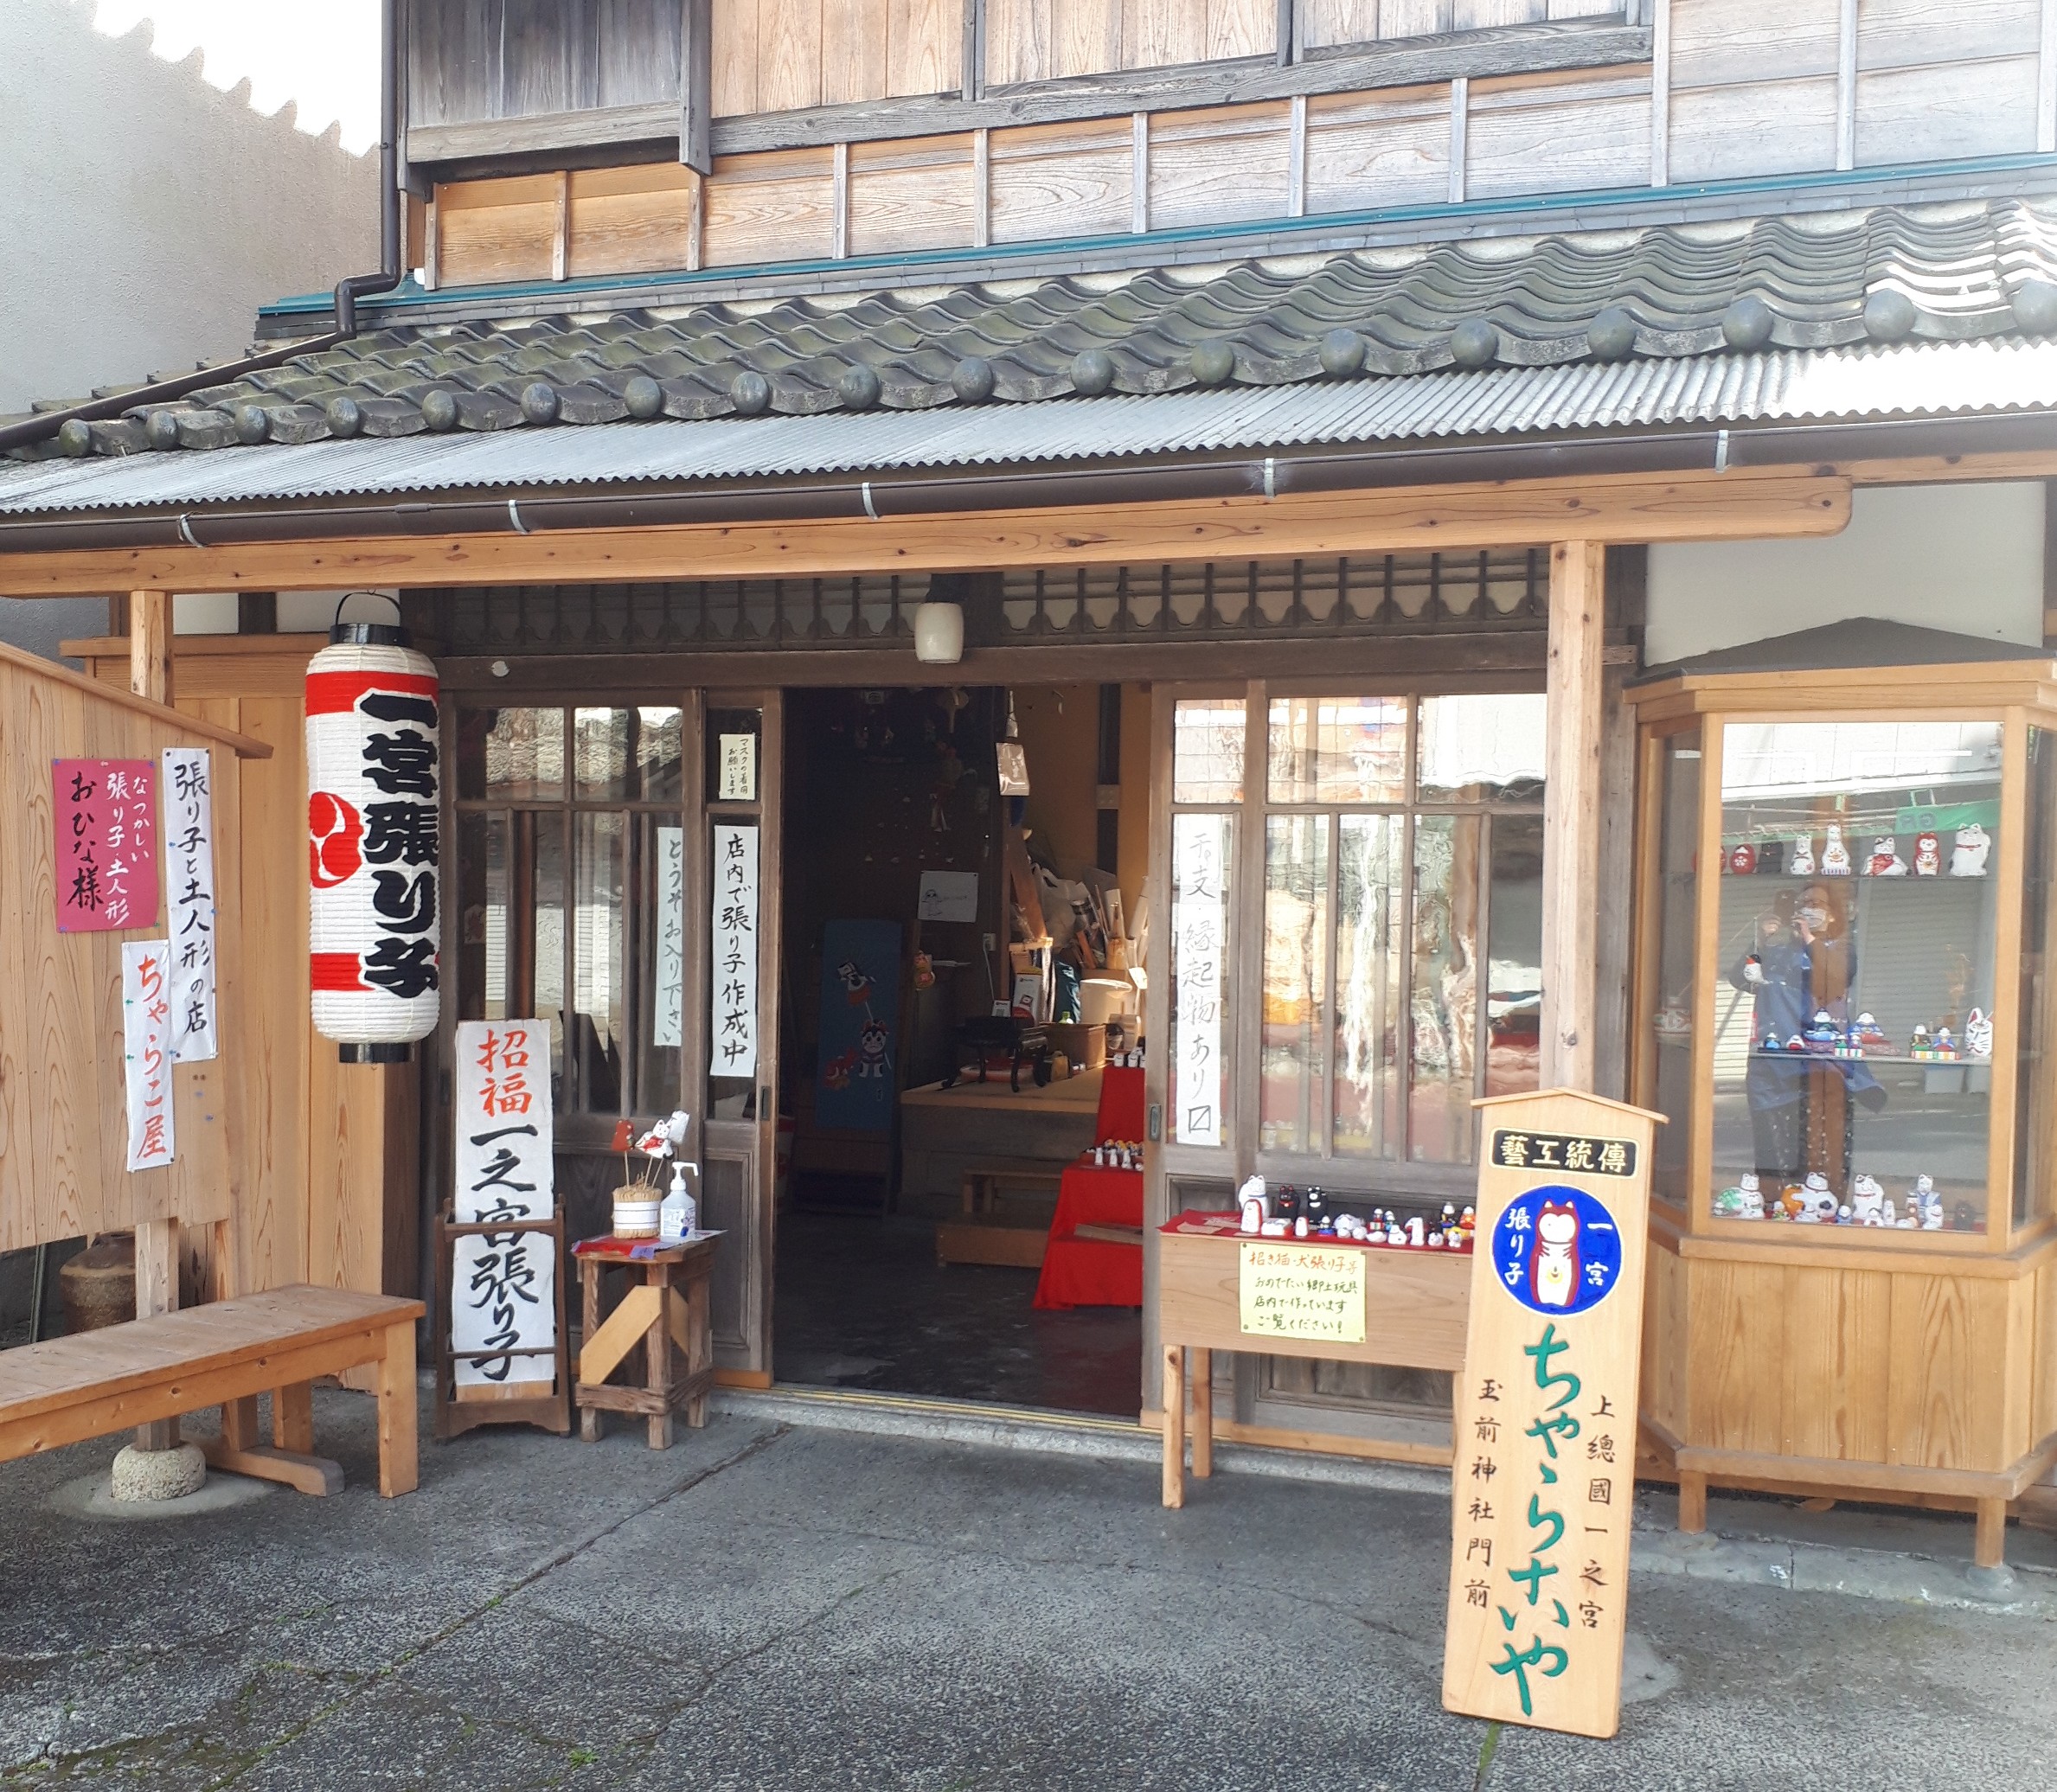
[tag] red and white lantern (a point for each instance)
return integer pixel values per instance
(373, 812)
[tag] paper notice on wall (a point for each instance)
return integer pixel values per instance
(188, 816)
(146, 1051)
(732, 986)
(667, 1000)
(504, 1166)
(105, 812)
(737, 782)
(948, 896)
(1199, 943)
(503, 1309)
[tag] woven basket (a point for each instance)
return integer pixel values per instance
(636, 1210)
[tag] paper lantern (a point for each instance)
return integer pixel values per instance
(374, 809)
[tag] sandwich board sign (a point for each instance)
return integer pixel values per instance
(1543, 1475)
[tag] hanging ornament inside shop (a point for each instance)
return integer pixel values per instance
(374, 809)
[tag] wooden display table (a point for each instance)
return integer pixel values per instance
(1414, 1313)
(667, 1316)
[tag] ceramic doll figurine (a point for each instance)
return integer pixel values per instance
(1923, 1199)
(1968, 855)
(1467, 1223)
(1836, 856)
(1868, 1200)
(1945, 1043)
(1800, 860)
(1275, 1229)
(1866, 1035)
(1817, 1200)
(1742, 860)
(1928, 856)
(1417, 1232)
(1771, 1043)
(1918, 1045)
(1744, 1201)
(1301, 1228)
(1885, 860)
(1823, 1033)
(1979, 1034)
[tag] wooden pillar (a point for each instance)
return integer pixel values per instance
(157, 1240)
(1572, 814)
(150, 644)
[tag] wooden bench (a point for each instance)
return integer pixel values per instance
(224, 1354)
(985, 1185)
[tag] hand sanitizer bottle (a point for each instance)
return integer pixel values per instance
(678, 1219)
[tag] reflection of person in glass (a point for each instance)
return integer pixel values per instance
(1802, 961)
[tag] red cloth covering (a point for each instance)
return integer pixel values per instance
(1093, 1272)
(1121, 1105)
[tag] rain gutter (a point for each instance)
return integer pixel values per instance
(1697, 451)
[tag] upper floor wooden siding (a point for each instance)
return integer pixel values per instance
(1735, 89)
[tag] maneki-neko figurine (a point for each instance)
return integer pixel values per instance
(1836, 856)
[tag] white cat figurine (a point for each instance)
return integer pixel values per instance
(1967, 857)
(1801, 863)
(1885, 860)
(1868, 1201)
(1836, 856)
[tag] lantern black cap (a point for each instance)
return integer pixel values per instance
(369, 634)
(374, 1054)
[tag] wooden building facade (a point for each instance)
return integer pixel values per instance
(1270, 354)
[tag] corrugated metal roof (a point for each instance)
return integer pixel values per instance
(1907, 379)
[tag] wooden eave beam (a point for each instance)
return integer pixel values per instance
(1611, 509)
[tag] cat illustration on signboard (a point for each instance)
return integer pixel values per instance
(1553, 1269)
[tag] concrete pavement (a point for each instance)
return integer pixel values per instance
(769, 1605)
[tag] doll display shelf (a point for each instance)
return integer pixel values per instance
(1862, 1362)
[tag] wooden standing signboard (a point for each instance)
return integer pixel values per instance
(1543, 1478)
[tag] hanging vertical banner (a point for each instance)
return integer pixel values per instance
(667, 1000)
(732, 1006)
(503, 1291)
(1544, 1479)
(189, 870)
(146, 1031)
(106, 818)
(1199, 945)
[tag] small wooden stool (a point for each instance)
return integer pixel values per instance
(667, 1315)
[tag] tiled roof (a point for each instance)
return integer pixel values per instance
(1417, 416)
(1887, 275)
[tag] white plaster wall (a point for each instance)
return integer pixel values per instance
(1967, 557)
(144, 217)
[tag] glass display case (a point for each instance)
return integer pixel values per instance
(1839, 992)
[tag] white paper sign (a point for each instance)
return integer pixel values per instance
(1198, 943)
(733, 1004)
(504, 1167)
(187, 799)
(146, 998)
(503, 1299)
(669, 1000)
(737, 782)
(949, 896)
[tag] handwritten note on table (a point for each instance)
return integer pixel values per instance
(1291, 1291)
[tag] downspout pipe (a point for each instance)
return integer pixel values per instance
(357, 286)
(47, 424)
